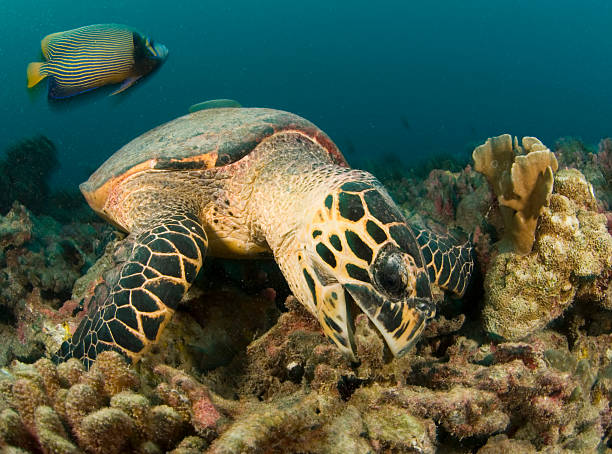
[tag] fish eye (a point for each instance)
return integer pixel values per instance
(390, 273)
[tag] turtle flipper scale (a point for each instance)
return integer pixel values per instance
(449, 261)
(130, 316)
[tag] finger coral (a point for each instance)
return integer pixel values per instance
(522, 183)
(64, 409)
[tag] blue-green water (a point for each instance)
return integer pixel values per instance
(411, 78)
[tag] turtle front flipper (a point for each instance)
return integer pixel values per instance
(130, 316)
(449, 260)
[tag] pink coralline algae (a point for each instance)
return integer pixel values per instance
(204, 415)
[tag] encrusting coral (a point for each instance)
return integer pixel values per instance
(572, 254)
(522, 184)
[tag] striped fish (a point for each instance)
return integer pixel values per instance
(89, 57)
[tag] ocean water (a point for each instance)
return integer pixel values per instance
(413, 79)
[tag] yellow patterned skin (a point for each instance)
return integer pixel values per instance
(338, 237)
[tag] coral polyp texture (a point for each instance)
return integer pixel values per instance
(521, 364)
(572, 255)
(67, 409)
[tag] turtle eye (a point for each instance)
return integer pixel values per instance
(390, 273)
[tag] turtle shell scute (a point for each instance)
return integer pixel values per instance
(205, 139)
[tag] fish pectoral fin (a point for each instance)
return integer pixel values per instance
(127, 83)
(35, 73)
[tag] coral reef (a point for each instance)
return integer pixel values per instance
(40, 261)
(595, 165)
(99, 408)
(572, 255)
(454, 393)
(242, 369)
(522, 183)
(539, 389)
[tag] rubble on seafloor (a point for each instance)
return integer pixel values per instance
(40, 260)
(246, 371)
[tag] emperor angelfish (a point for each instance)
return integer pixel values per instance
(89, 57)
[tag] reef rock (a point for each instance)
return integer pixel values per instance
(596, 165)
(572, 255)
(40, 260)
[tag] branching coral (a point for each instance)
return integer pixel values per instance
(522, 184)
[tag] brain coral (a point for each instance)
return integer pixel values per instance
(572, 250)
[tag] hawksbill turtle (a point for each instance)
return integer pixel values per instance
(247, 182)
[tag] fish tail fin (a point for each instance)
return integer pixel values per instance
(35, 73)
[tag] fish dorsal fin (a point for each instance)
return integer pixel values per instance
(46, 41)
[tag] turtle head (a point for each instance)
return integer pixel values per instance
(359, 254)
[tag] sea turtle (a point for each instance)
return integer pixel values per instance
(250, 182)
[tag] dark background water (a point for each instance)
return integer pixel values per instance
(410, 78)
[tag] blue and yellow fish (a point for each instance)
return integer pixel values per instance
(89, 57)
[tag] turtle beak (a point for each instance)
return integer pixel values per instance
(400, 323)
